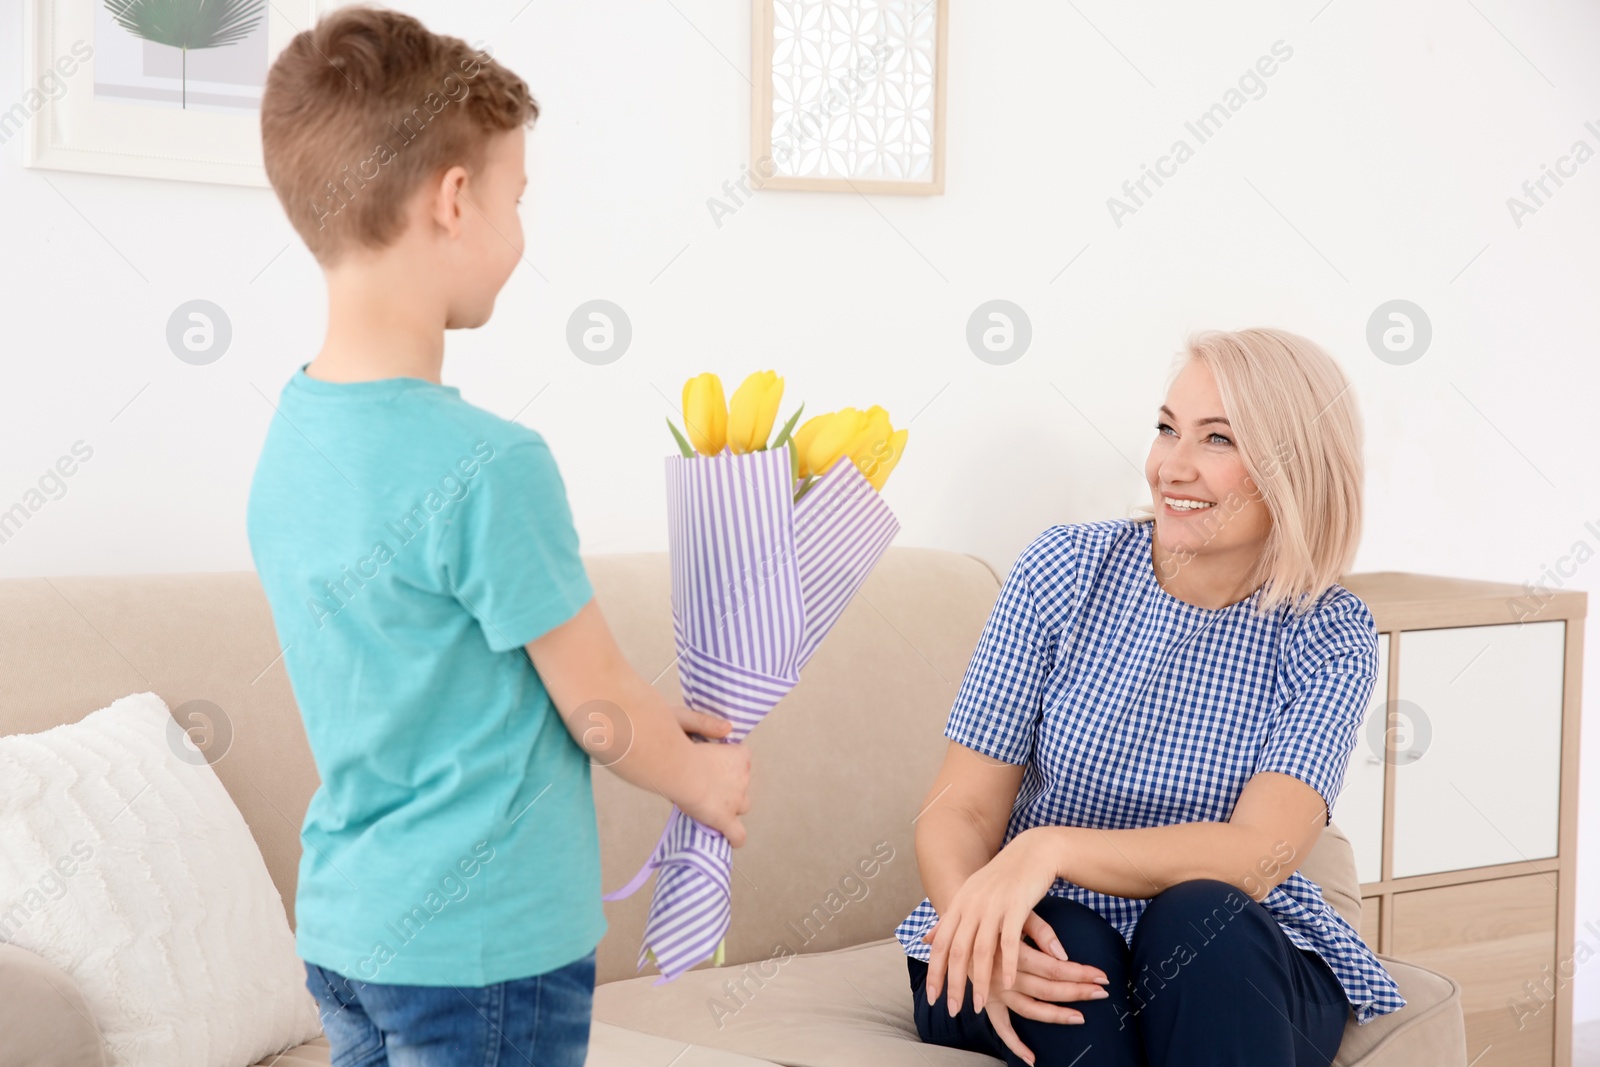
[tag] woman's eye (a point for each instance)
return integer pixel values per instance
(1162, 427)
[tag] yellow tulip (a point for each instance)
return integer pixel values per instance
(801, 440)
(874, 426)
(885, 457)
(753, 410)
(705, 413)
(877, 447)
(829, 436)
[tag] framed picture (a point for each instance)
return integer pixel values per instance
(151, 88)
(848, 95)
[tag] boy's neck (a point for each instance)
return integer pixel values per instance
(380, 325)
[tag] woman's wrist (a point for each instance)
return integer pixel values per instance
(948, 853)
(1044, 849)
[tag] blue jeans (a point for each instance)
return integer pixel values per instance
(542, 1020)
(1244, 995)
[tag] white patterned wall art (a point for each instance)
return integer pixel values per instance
(848, 95)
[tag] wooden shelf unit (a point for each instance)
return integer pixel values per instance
(1461, 800)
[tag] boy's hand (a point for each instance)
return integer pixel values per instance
(711, 727)
(721, 774)
(647, 741)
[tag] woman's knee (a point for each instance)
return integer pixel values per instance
(1197, 900)
(1085, 934)
(1108, 1024)
(1181, 921)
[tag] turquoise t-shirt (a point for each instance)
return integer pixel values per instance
(410, 544)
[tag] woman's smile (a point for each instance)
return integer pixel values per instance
(1174, 505)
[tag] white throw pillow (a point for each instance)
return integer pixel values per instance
(128, 866)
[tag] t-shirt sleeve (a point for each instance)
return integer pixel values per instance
(1312, 736)
(514, 562)
(998, 706)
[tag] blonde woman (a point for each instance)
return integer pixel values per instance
(1147, 743)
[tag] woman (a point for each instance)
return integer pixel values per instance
(1149, 740)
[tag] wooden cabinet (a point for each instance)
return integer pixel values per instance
(1492, 937)
(1479, 779)
(1460, 801)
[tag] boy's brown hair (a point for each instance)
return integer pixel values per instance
(363, 108)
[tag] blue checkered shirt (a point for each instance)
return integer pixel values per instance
(1128, 707)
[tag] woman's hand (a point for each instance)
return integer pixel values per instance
(986, 919)
(1045, 982)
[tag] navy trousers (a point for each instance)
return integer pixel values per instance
(1210, 979)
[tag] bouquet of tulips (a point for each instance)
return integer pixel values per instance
(768, 542)
(872, 444)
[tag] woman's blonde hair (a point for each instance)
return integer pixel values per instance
(1298, 430)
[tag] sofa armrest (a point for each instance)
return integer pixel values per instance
(44, 1016)
(1332, 865)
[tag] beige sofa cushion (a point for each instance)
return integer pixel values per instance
(852, 1008)
(848, 1008)
(43, 1015)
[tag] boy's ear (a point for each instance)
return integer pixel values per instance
(449, 200)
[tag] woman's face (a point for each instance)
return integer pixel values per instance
(1196, 458)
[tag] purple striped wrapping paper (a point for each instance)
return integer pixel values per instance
(757, 582)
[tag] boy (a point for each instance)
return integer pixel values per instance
(454, 674)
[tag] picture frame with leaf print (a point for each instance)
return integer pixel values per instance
(150, 88)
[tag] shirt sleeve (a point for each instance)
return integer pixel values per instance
(1313, 735)
(514, 563)
(998, 706)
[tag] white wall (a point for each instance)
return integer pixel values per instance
(1377, 165)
